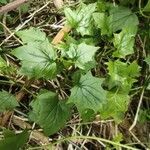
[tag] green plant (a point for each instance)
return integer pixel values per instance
(39, 59)
(107, 94)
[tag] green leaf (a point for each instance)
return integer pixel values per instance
(102, 6)
(124, 42)
(7, 101)
(148, 87)
(31, 35)
(82, 55)
(116, 106)
(71, 17)
(88, 115)
(2, 63)
(3, 1)
(81, 19)
(24, 8)
(122, 75)
(147, 7)
(37, 59)
(5, 68)
(144, 116)
(88, 93)
(118, 138)
(49, 112)
(37, 56)
(120, 18)
(8, 133)
(101, 21)
(14, 141)
(133, 70)
(147, 59)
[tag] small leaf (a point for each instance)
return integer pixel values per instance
(2, 63)
(120, 18)
(88, 93)
(148, 60)
(124, 42)
(31, 35)
(37, 59)
(3, 1)
(82, 54)
(24, 8)
(85, 19)
(118, 138)
(148, 87)
(50, 113)
(122, 75)
(71, 17)
(8, 133)
(133, 70)
(101, 21)
(14, 141)
(147, 7)
(144, 116)
(7, 101)
(88, 115)
(81, 19)
(116, 106)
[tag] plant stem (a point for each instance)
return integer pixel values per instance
(89, 138)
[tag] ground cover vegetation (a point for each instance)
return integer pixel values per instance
(75, 75)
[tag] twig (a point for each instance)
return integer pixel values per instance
(7, 29)
(137, 112)
(137, 139)
(36, 135)
(60, 35)
(11, 6)
(58, 3)
(141, 11)
(94, 138)
(22, 25)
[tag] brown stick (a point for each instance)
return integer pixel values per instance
(11, 6)
(36, 135)
(60, 35)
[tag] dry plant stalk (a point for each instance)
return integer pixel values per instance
(60, 35)
(35, 135)
(58, 3)
(11, 6)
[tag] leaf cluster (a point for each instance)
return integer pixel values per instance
(107, 94)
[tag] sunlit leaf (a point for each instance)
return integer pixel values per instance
(81, 19)
(37, 59)
(82, 55)
(115, 107)
(124, 42)
(31, 35)
(122, 75)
